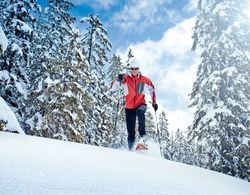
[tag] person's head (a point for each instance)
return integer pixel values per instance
(134, 66)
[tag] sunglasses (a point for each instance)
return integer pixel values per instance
(134, 68)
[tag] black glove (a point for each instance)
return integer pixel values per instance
(120, 77)
(155, 106)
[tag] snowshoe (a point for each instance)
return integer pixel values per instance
(141, 145)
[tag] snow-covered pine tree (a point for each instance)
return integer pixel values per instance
(221, 92)
(44, 55)
(179, 146)
(171, 150)
(184, 150)
(116, 67)
(150, 127)
(3, 47)
(59, 98)
(96, 46)
(17, 21)
(96, 43)
(164, 134)
(35, 107)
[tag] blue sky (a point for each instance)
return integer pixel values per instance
(159, 33)
(134, 20)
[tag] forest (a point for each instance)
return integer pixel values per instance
(56, 79)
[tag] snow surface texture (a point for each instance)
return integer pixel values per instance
(6, 114)
(33, 165)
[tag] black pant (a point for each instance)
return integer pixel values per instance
(131, 120)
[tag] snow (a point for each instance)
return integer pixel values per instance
(248, 54)
(4, 75)
(22, 25)
(3, 41)
(35, 121)
(220, 9)
(80, 54)
(33, 165)
(6, 114)
(51, 82)
(16, 48)
(20, 86)
(230, 71)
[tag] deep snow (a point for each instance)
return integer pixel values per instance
(33, 165)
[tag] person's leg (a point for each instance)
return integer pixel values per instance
(130, 122)
(140, 112)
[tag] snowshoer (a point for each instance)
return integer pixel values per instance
(135, 85)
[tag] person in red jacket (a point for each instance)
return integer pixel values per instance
(135, 85)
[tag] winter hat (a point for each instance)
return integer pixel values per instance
(134, 63)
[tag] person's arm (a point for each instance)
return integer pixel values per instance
(151, 89)
(120, 79)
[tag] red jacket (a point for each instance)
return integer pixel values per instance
(134, 90)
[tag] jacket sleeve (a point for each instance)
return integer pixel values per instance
(151, 89)
(116, 84)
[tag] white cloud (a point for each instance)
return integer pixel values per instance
(137, 15)
(178, 82)
(179, 119)
(172, 67)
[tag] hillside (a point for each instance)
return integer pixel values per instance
(33, 165)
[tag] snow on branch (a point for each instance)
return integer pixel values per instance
(3, 41)
(8, 121)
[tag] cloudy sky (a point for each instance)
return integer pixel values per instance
(159, 33)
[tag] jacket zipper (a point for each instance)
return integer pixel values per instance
(135, 91)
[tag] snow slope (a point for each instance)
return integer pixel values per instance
(33, 165)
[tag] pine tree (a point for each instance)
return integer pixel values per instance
(3, 47)
(150, 127)
(171, 149)
(179, 146)
(221, 92)
(184, 150)
(59, 98)
(116, 67)
(96, 46)
(17, 19)
(164, 134)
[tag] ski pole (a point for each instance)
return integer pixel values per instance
(117, 107)
(158, 134)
